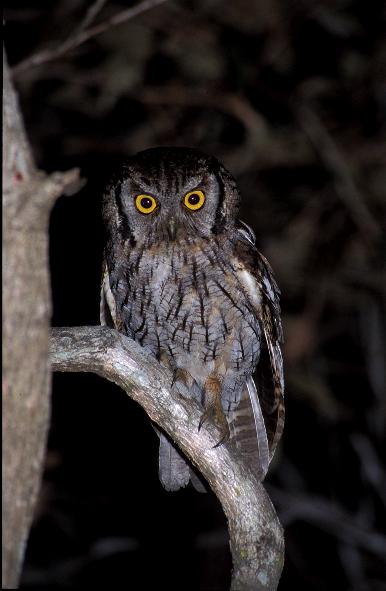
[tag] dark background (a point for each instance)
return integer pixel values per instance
(291, 96)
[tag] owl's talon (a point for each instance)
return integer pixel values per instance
(174, 378)
(219, 419)
(224, 431)
(182, 382)
(214, 409)
(222, 440)
(204, 417)
(182, 375)
(177, 376)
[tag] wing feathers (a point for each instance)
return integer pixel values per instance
(256, 277)
(248, 429)
(260, 426)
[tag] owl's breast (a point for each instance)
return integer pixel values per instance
(187, 301)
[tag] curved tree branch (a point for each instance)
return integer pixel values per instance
(256, 536)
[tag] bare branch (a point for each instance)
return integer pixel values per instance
(82, 35)
(90, 16)
(256, 536)
(330, 517)
(334, 160)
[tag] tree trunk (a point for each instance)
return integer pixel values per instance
(27, 200)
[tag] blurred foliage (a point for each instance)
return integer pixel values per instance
(291, 96)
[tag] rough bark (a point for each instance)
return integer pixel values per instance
(256, 537)
(27, 200)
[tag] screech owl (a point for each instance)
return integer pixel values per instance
(182, 277)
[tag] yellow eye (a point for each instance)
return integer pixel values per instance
(194, 200)
(145, 203)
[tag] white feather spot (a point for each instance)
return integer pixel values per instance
(107, 298)
(250, 285)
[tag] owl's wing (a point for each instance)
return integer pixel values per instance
(247, 428)
(107, 308)
(256, 277)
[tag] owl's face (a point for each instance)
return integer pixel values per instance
(168, 194)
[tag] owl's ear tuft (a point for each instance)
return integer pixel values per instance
(114, 214)
(229, 198)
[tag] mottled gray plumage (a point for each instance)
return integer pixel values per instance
(190, 286)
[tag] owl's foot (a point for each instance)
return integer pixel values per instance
(219, 420)
(182, 375)
(182, 381)
(214, 410)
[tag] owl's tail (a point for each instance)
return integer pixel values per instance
(174, 470)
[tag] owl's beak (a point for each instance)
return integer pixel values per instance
(172, 229)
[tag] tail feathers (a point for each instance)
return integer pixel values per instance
(174, 472)
(248, 430)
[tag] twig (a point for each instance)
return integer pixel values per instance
(256, 536)
(329, 517)
(81, 36)
(90, 16)
(238, 106)
(335, 161)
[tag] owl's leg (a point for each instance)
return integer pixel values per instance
(183, 381)
(164, 358)
(181, 376)
(213, 408)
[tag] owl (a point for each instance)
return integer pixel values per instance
(182, 277)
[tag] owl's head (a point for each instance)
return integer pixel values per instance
(168, 194)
